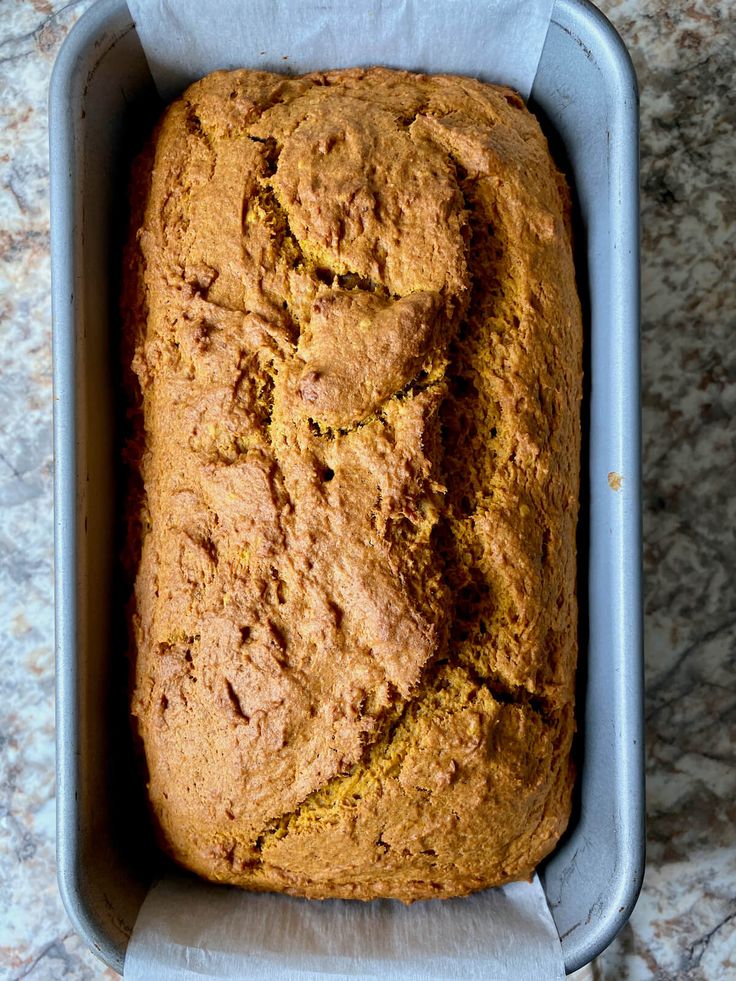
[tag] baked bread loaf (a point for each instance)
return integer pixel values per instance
(350, 301)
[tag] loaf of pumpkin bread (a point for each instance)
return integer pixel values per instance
(350, 307)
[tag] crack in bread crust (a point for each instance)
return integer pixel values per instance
(351, 313)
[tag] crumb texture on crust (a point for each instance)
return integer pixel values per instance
(351, 312)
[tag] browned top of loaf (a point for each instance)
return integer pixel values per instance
(357, 340)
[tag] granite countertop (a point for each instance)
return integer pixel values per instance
(684, 925)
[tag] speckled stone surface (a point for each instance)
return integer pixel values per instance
(684, 926)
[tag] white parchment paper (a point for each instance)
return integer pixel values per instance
(187, 930)
(494, 40)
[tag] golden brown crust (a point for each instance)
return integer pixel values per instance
(358, 346)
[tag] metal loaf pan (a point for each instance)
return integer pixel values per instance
(101, 93)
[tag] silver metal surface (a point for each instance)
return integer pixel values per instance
(586, 88)
(586, 92)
